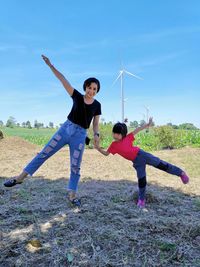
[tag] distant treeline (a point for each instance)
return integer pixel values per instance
(12, 122)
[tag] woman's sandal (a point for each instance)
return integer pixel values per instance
(76, 202)
(11, 182)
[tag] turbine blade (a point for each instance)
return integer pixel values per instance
(133, 75)
(120, 73)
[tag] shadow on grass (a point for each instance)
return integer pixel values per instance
(40, 228)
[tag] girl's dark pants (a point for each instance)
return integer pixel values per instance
(143, 158)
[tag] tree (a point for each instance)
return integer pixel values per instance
(11, 122)
(1, 123)
(142, 122)
(36, 125)
(175, 126)
(166, 136)
(51, 125)
(28, 124)
(169, 124)
(172, 125)
(23, 124)
(134, 124)
(187, 126)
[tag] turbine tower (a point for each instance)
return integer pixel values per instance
(147, 113)
(122, 72)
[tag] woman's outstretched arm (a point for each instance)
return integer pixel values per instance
(60, 76)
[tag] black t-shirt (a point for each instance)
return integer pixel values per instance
(82, 113)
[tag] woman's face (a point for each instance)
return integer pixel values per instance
(91, 90)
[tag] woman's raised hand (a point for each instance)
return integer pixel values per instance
(46, 60)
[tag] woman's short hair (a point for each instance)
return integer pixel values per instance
(120, 128)
(89, 81)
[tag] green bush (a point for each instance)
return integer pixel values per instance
(105, 135)
(167, 137)
(147, 141)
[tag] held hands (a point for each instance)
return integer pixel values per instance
(97, 147)
(46, 60)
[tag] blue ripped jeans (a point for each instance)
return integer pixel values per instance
(71, 134)
(143, 158)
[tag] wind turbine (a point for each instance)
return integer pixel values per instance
(147, 113)
(122, 72)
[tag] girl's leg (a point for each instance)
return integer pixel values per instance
(140, 166)
(165, 166)
(76, 145)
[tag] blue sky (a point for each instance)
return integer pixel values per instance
(157, 40)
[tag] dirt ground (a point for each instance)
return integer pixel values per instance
(38, 227)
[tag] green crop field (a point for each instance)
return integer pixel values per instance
(154, 139)
(35, 136)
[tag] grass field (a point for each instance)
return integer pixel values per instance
(35, 136)
(38, 227)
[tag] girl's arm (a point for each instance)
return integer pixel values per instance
(147, 125)
(101, 150)
(59, 75)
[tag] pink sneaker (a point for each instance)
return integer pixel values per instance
(184, 178)
(141, 203)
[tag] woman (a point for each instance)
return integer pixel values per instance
(73, 132)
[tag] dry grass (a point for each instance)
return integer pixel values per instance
(40, 228)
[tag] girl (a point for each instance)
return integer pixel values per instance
(123, 145)
(72, 132)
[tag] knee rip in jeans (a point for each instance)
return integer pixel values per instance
(142, 182)
(74, 162)
(47, 150)
(55, 140)
(75, 169)
(80, 146)
(42, 155)
(76, 154)
(163, 166)
(57, 137)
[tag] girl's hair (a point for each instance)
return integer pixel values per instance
(89, 81)
(120, 128)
